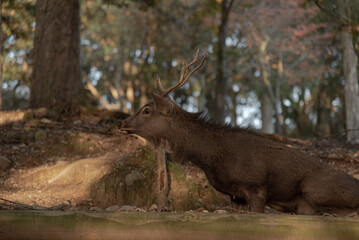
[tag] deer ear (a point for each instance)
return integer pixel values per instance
(162, 104)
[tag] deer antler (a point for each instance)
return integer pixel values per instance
(183, 77)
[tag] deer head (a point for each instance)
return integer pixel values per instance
(153, 120)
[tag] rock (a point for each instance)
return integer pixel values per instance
(29, 136)
(40, 135)
(31, 125)
(126, 208)
(45, 120)
(140, 210)
(5, 163)
(113, 208)
(96, 209)
(40, 113)
(221, 211)
(153, 208)
(353, 214)
(61, 207)
(17, 126)
(73, 208)
(199, 210)
(38, 207)
(28, 116)
(164, 209)
(132, 177)
(199, 204)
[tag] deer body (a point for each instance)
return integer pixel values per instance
(251, 169)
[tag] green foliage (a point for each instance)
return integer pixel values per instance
(18, 22)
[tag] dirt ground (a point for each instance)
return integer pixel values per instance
(61, 225)
(47, 164)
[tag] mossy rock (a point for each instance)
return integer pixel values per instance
(189, 190)
(113, 190)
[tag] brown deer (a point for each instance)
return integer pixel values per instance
(253, 170)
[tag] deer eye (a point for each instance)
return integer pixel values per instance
(146, 111)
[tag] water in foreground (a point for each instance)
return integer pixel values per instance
(41, 225)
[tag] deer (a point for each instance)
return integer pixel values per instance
(253, 170)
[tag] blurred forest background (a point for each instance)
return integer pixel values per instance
(285, 66)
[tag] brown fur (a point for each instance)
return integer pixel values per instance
(254, 171)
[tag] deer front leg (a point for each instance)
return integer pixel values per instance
(239, 202)
(256, 199)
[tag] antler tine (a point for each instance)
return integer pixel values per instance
(184, 69)
(195, 69)
(160, 88)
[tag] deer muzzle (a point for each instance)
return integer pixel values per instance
(125, 128)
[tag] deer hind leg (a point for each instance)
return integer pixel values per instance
(305, 208)
(329, 191)
(256, 199)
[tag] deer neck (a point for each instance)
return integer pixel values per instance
(190, 142)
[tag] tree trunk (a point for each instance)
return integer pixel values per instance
(278, 103)
(323, 106)
(221, 76)
(274, 96)
(56, 82)
(162, 179)
(2, 39)
(267, 114)
(351, 88)
(202, 95)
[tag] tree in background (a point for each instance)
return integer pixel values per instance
(282, 63)
(340, 13)
(221, 86)
(350, 67)
(2, 40)
(17, 26)
(284, 41)
(125, 48)
(56, 82)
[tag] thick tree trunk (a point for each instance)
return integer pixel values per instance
(56, 80)
(351, 88)
(350, 65)
(2, 39)
(267, 114)
(221, 76)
